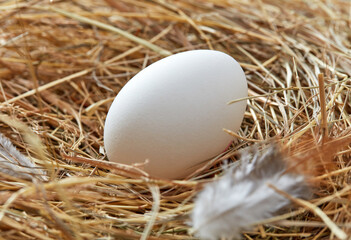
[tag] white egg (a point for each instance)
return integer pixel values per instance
(173, 112)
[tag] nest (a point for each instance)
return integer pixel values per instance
(63, 62)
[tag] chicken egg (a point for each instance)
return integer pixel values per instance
(172, 113)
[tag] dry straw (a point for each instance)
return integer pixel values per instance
(62, 62)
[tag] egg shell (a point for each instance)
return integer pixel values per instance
(172, 113)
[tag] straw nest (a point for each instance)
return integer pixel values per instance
(63, 62)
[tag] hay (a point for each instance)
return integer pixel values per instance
(63, 62)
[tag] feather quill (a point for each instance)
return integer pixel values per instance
(241, 197)
(14, 163)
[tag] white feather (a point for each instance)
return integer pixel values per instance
(232, 204)
(14, 163)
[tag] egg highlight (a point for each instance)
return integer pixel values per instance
(171, 114)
